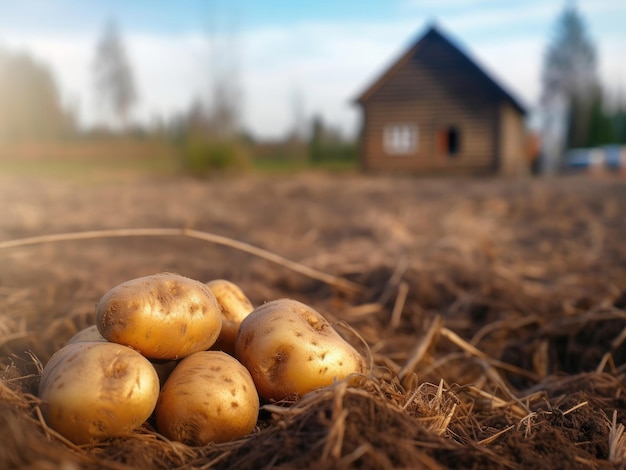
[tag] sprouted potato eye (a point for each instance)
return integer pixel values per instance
(290, 349)
(163, 316)
(209, 397)
(234, 307)
(95, 390)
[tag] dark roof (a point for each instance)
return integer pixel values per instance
(454, 74)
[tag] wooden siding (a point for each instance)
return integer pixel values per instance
(513, 141)
(436, 87)
(415, 94)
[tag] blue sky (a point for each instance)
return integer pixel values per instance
(293, 57)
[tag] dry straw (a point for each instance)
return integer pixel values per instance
(402, 415)
(339, 283)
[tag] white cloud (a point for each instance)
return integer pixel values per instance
(68, 57)
(168, 71)
(329, 64)
(516, 65)
(598, 6)
(611, 67)
(325, 63)
(464, 17)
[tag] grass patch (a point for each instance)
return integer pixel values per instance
(286, 165)
(114, 159)
(88, 160)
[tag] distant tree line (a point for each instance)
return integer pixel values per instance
(328, 145)
(31, 106)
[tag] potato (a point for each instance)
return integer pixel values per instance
(95, 390)
(164, 316)
(290, 349)
(234, 307)
(209, 397)
(90, 333)
(163, 367)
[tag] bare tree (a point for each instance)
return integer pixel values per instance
(570, 84)
(298, 126)
(224, 81)
(113, 75)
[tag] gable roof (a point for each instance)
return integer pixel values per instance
(453, 75)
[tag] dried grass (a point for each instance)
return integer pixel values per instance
(484, 354)
(381, 423)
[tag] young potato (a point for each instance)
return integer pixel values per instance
(91, 333)
(163, 316)
(163, 367)
(234, 307)
(290, 349)
(209, 397)
(95, 390)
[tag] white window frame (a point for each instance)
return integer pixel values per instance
(400, 138)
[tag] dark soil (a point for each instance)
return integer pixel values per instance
(494, 310)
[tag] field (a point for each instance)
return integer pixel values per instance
(494, 311)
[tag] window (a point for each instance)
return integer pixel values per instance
(400, 139)
(449, 141)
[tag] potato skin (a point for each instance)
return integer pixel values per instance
(234, 307)
(290, 349)
(209, 397)
(91, 333)
(164, 316)
(95, 390)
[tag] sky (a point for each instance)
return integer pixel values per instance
(292, 60)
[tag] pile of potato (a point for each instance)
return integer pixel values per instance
(196, 356)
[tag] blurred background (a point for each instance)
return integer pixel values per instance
(205, 85)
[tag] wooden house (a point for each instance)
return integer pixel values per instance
(436, 111)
